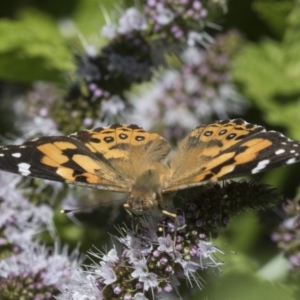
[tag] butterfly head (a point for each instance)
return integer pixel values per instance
(146, 192)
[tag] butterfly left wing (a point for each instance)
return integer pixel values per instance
(227, 149)
(64, 159)
(108, 158)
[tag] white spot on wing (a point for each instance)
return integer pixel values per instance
(280, 151)
(1, 154)
(17, 155)
(24, 169)
(291, 161)
(260, 166)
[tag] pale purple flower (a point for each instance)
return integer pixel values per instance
(164, 15)
(109, 31)
(139, 296)
(166, 244)
(38, 126)
(82, 286)
(181, 99)
(20, 219)
(112, 107)
(106, 273)
(141, 272)
(111, 257)
(287, 235)
(195, 38)
(48, 270)
(132, 20)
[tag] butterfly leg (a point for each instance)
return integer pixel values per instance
(127, 208)
(134, 217)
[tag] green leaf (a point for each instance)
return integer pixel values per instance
(292, 42)
(31, 48)
(249, 287)
(265, 75)
(274, 13)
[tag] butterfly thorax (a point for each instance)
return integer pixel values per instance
(146, 191)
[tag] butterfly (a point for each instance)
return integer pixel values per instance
(129, 160)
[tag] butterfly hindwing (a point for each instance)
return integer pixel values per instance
(227, 149)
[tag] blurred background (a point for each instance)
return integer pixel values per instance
(68, 65)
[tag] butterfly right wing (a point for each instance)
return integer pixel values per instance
(228, 149)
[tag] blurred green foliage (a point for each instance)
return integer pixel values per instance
(269, 71)
(32, 41)
(37, 37)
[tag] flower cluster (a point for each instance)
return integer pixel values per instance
(138, 44)
(28, 269)
(185, 97)
(150, 263)
(287, 235)
(36, 272)
(34, 111)
(156, 256)
(176, 20)
(20, 220)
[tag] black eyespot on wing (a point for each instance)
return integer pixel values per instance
(249, 126)
(222, 132)
(139, 138)
(230, 136)
(95, 140)
(123, 136)
(239, 122)
(224, 122)
(109, 139)
(208, 176)
(82, 135)
(115, 126)
(81, 178)
(98, 129)
(208, 133)
(134, 126)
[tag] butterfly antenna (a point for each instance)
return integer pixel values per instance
(67, 211)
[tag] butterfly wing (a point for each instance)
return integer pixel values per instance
(129, 149)
(106, 158)
(227, 149)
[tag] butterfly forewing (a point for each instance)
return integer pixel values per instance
(129, 149)
(228, 149)
(109, 158)
(61, 158)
